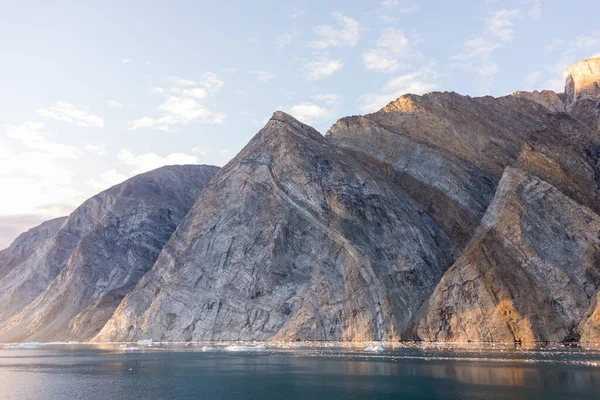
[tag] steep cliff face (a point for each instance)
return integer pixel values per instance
(529, 274)
(308, 244)
(27, 244)
(96, 256)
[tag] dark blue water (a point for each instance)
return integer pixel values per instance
(84, 372)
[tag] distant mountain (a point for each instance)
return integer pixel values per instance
(71, 273)
(440, 217)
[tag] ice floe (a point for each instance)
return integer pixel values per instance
(245, 348)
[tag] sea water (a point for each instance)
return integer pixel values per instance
(297, 371)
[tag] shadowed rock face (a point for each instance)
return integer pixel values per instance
(96, 256)
(308, 244)
(528, 275)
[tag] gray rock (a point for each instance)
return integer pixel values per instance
(293, 239)
(529, 274)
(97, 256)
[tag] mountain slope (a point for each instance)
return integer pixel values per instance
(529, 274)
(97, 256)
(292, 239)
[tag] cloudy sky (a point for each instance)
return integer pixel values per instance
(94, 92)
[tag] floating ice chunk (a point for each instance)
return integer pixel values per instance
(245, 348)
(207, 348)
(131, 349)
(32, 345)
(374, 349)
(145, 342)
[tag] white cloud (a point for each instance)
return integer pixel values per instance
(535, 9)
(501, 24)
(123, 60)
(224, 151)
(407, 9)
(30, 135)
(64, 111)
(182, 104)
(328, 98)
(346, 35)
(477, 54)
(36, 180)
(96, 148)
(115, 104)
(308, 112)
(321, 68)
(200, 150)
(107, 179)
(149, 161)
(391, 47)
(262, 76)
(417, 82)
(298, 10)
(283, 40)
(181, 82)
(211, 82)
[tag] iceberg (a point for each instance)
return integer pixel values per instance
(375, 349)
(207, 348)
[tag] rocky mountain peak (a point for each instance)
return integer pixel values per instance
(582, 80)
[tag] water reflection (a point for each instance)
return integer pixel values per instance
(315, 372)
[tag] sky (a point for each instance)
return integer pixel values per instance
(94, 92)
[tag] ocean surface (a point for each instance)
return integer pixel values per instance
(298, 371)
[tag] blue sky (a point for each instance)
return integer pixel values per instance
(95, 92)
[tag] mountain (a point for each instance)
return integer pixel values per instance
(65, 278)
(293, 239)
(440, 217)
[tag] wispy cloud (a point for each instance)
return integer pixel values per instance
(36, 171)
(322, 68)
(283, 40)
(262, 76)
(148, 161)
(417, 82)
(64, 111)
(107, 179)
(390, 49)
(123, 60)
(115, 104)
(308, 112)
(327, 98)
(182, 104)
(477, 53)
(96, 148)
(346, 34)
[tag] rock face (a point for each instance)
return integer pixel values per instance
(582, 80)
(309, 245)
(67, 283)
(528, 275)
(440, 217)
